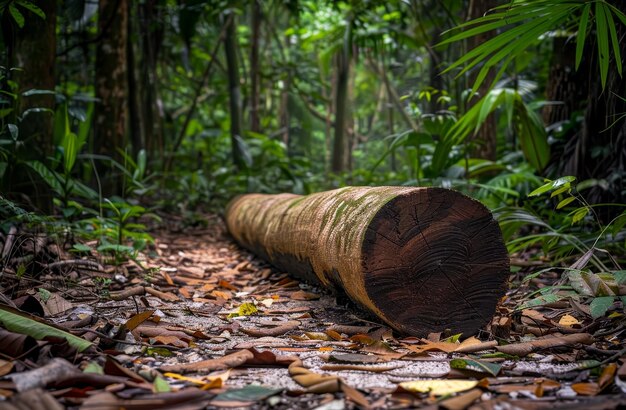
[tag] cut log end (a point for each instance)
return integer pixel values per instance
(422, 259)
(434, 260)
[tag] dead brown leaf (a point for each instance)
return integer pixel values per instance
(280, 329)
(523, 349)
(138, 319)
(302, 295)
(224, 362)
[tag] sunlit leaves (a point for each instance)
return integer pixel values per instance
(528, 126)
(552, 185)
(522, 25)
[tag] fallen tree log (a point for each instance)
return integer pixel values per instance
(421, 259)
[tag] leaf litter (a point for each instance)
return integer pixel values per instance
(198, 322)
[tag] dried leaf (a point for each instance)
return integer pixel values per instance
(280, 329)
(522, 349)
(439, 387)
(358, 367)
(5, 367)
(354, 358)
(138, 319)
(231, 360)
(568, 320)
(462, 401)
(171, 341)
(227, 285)
(302, 295)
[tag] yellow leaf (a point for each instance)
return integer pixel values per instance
(439, 387)
(568, 320)
(245, 309)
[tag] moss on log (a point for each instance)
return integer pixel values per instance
(421, 259)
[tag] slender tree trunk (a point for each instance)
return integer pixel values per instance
(566, 86)
(112, 84)
(255, 66)
(485, 143)
(600, 151)
(34, 53)
(234, 91)
(152, 36)
(136, 124)
(339, 162)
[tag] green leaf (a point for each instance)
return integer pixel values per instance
(250, 393)
(81, 247)
(70, 151)
(613, 31)
(161, 385)
(24, 324)
(533, 137)
(61, 124)
(591, 284)
(599, 306)
(603, 41)
(49, 176)
(561, 190)
(14, 131)
(550, 185)
(620, 277)
(31, 7)
(17, 15)
(476, 366)
(93, 367)
(565, 202)
(582, 34)
(579, 215)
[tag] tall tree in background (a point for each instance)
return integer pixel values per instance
(255, 69)
(32, 49)
(485, 141)
(234, 89)
(112, 81)
(35, 51)
(342, 61)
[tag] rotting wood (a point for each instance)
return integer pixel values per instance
(422, 259)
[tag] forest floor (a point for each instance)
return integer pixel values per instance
(199, 323)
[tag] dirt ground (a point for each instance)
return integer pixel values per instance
(197, 322)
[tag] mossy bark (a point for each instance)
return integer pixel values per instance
(421, 259)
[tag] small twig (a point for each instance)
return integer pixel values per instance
(84, 263)
(8, 244)
(127, 293)
(126, 342)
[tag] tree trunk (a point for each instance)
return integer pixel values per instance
(255, 67)
(151, 29)
(234, 91)
(340, 143)
(136, 123)
(421, 259)
(34, 53)
(485, 142)
(566, 86)
(112, 85)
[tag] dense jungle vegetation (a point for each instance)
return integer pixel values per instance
(112, 111)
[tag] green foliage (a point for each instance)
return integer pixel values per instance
(522, 24)
(15, 9)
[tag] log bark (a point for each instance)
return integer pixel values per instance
(421, 259)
